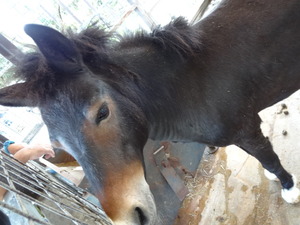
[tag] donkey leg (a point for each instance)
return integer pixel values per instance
(254, 143)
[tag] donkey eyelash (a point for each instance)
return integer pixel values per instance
(102, 114)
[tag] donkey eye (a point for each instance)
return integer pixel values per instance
(102, 113)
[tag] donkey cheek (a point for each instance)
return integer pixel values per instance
(104, 137)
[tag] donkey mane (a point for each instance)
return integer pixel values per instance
(94, 45)
(177, 36)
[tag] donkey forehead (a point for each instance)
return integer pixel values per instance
(80, 91)
(72, 102)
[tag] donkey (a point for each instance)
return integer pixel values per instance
(101, 99)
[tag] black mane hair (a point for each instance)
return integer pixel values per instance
(94, 45)
(178, 37)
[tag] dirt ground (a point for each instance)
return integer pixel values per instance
(230, 187)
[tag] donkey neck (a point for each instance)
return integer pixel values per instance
(164, 87)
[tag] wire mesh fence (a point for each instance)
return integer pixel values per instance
(37, 197)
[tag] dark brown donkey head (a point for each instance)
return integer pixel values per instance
(83, 100)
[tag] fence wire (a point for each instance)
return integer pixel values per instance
(42, 198)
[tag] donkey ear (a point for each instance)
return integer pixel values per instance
(59, 51)
(17, 95)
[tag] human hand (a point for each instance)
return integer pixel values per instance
(35, 151)
(38, 150)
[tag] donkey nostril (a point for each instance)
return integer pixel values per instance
(141, 216)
